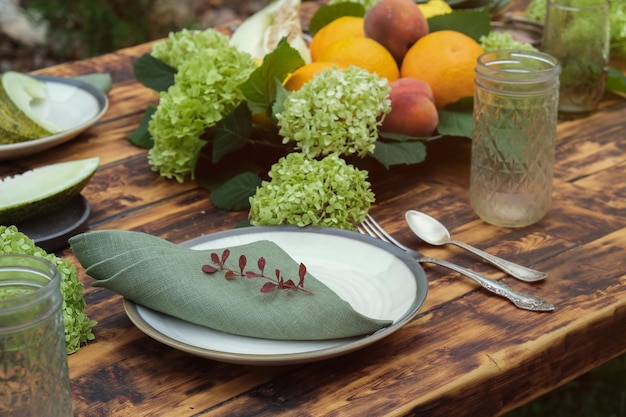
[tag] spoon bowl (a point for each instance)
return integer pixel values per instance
(427, 228)
(431, 231)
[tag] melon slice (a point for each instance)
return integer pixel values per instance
(260, 33)
(43, 190)
(19, 123)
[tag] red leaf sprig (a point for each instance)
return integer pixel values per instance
(275, 283)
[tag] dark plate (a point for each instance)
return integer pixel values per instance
(521, 29)
(52, 232)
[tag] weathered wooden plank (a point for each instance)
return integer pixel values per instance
(410, 371)
(437, 293)
(610, 184)
(583, 149)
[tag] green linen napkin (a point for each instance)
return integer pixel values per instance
(169, 278)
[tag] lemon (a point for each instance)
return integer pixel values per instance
(434, 8)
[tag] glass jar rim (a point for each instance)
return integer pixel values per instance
(39, 292)
(504, 64)
(573, 8)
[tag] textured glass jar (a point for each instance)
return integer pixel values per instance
(34, 379)
(515, 116)
(577, 32)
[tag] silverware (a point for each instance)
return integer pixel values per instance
(525, 301)
(433, 232)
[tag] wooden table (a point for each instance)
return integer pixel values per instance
(467, 353)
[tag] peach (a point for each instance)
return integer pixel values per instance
(395, 24)
(413, 111)
(414, 85)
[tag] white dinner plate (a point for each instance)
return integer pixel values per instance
(376, 278)
(73, 105)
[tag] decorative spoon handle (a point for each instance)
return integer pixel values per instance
(521, 300)
(518, 271)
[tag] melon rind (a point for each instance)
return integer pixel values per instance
(259, 34)
(43, 190)
(15, 126)
(18, 122)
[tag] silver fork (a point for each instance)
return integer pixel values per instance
(525, 301)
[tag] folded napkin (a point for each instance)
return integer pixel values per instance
(169, 278)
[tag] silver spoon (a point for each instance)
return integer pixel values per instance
(435, 233)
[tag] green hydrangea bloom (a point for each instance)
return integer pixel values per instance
(77, 324)
(305, 191)
(339, 111)
(184, 44)
(502, 40)
(537, 10)
(205, 89)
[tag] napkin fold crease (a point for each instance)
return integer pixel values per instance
(166, 277)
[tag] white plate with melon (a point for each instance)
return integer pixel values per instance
(52, 110)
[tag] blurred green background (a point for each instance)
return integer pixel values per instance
(599, 393)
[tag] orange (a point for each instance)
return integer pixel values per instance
(365, 53)
(306, 73)
(445, 60)
(340, 28)
(263, 120)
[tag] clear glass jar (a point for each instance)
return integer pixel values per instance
(34, 378)
(515, 117)
(577, 32)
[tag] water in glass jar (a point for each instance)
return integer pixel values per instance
(512, 159)
(515, 113)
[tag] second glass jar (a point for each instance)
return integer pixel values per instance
(577, 33)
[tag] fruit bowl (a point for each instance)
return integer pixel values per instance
(522, 30)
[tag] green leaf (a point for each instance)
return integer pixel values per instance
(327, 13)
(141, 136)
(398, 153)
(465, 104)
(154, 73)
(455, 122)
(615, 81)
(398, 137)
(235, 193)
(281, 96)
(468, 4)
(473, 23)
(211, 175)
(260, 88)
(232, 132)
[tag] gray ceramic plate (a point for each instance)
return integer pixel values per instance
(377, 279)
(72, 104)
